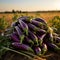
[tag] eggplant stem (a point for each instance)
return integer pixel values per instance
(18, 52)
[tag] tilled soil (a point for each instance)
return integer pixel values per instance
(14, 56)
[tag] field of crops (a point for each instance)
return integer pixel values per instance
(46, 16)
(39, 37)
(10, 17)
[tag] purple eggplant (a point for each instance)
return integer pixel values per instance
(14, 37)
(41, 32)
(22, 46)
(33, 27)
(44, 48)
(39, 24)
(33, 37)
(36, 23)
(25, 19)
(48, 37)
(24, 26)
(41, 20)
(28, 40)
(57, 39)
(14, 24)
(38, 51)
(52, 46)
(20, 34)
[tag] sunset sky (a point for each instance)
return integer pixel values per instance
(29, 5)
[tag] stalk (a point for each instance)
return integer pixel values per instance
(18, 52)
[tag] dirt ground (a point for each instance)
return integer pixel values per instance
(14, 56)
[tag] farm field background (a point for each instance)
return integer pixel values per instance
(10, 17)
(46, 16)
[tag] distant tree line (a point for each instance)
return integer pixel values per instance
(19, 11)
(13, 11)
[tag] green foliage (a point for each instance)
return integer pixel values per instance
(5, 45)
(15, 17)
(3, 23)
(37, 15)
(55, 23)
(26, 14)
(4, 41)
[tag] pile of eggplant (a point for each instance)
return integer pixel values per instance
(34, 35)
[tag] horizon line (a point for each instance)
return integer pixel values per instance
(27, 10)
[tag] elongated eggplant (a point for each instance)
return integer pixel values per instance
(14, 24)
(33, 27)
(20, 34)
(41, 20)
(14, 37)
(44, 49)
(25, 19)
(36, 23)
(24, 26)
(22, 46)
(38, 51)
(39, 24)
(33, 37)
(52, 46)
(57, 39)
(41, 32)
(28, 40)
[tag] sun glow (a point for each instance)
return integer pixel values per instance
(57, 5)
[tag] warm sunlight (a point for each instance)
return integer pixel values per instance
(57, 5)
(29, 5)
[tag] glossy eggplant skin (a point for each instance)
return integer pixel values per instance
(33, 37)
(52, 46)
(57, 39)
(14, 24)
(36, 23)
(14, 38)
(38, 51)
(26, 19)
(39, 24)
(24, 26)
(41, 32)
(22, 46)
(20, 33)
(41, 20)
(33, 27)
